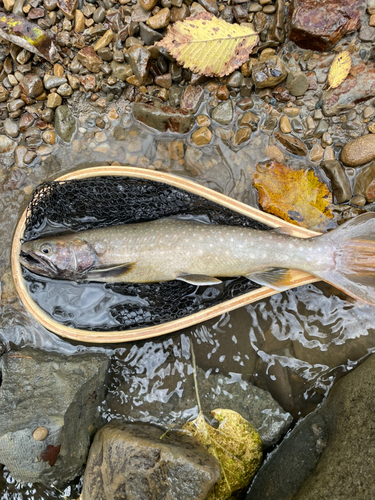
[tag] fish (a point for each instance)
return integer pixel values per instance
(200, 253)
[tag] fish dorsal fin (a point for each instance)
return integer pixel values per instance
(198, 279)
(275, 277)
(110, 271)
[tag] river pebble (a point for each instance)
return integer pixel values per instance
(223, 113)
(359, 151)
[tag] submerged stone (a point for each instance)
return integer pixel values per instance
(359, 151)
(65, 123)
(269, 73)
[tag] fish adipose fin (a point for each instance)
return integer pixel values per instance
(353, 269)
(110, 271)
(198, 279)
(275, 277)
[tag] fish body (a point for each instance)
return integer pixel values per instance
(199, 253)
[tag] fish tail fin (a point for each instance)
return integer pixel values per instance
(353, 270)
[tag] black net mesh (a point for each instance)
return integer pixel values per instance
(78, 205)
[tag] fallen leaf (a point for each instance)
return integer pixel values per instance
(339, 69)
(67, 6)
(208, 45)
(296, 196)
(235, 444)
(29, 36)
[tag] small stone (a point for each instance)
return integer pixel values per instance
(192, 98)
(32, 85)
(269, 9)
(148, 35)
(291, 111)
(292, 144)
(223, 113)
(310, 123)
(4, 93)
(163, 118)
(29, 157)
(285, 126)
(105, 40)
(175, 94)
(372, 20)
(367, 34)
(161, 20)
(65, 123)
(316, 153)
(140, 60)
(203, 121)
(54, 100)
(52, 82)
(245, 104)
(179, 14)
(222, 93)
(99, 14)
(327, 139)
(210, 5)
(148, 4)
(321, 129)
(368, 112)
(164, 81)
(242, 135)
(49, 137)
(7, 145)
(329, 154)
(224, 133)
(274, 153)
(255, 7)
(249, 119)
(202, 136)
(269, 73)
(176, 150)
(235, 80)
(342, 191)
(79, 21)
(297, 83)
(358, 201)
(195, 9)
(359, 151)
(11, 128)
(9, 4)
(89, 58)
(25, 122)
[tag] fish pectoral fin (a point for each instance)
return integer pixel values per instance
(198, 279)
(275, 277)
(110, 271)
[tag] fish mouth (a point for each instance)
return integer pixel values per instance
(36, 263)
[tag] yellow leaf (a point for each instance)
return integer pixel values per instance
(235, 444)
(296, 196)
(339, 69)
(208, 45)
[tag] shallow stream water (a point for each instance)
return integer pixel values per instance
(294, 344)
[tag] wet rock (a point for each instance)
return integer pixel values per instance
(223, 113)
(235, 80)
(297, 83)
(175, 95)
(192, 98)
(148, 35)
(202, 136)
(359, 151)
(140, 60)
(164, 81)
(242, 135)
(240, 13)
(65, 123)
(148, 4)
(11, 128)
(269, 73)
(104, 41)
(53, 101)
(7, 145)
(340, 184)
(133, 460)
(163, 118)
(90, 59)
(176, 150)
(357, 87)
(33, 137)
(292, 144)
(161, 20)
(316, 153)
(179, 13)
(321, 129)
(121, 71)
(367, 34)
(319, 25)
(285, 126)
(210, 5)
(292, 462)
(32, 85)
(33, 396)
(358, 201)
(4, 93)
(365, 183)
(348, 412)
(53, 82)
(250, 120)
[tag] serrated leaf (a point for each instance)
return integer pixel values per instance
(296, 196)
(235, 444)
(339, 69)
(29, 36)
(208, 45)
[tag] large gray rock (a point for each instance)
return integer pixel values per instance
(216, 391)
(65, 123)
(341, 432)
(49, 412)
(132, 461)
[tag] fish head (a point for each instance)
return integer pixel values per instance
(64, 257)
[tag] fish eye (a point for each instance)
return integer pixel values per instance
(46, 249)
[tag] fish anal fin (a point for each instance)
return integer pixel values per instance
(198, 279)
(275, 277)
(110, 271)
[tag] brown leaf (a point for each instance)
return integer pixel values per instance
(339, 69)
(208, 45)
(296, 196)
(29, 36)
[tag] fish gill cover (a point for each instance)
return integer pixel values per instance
(78, 205)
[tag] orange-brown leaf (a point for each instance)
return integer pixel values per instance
(209, 45)
(296, 196)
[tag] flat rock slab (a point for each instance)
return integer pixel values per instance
(132, 461)
(58, 393)
(318, 25)
(163, 117)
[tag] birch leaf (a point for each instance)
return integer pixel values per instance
(29, 36)
(235, 444)
(339, 69)
(296, 196)
(208, 45)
